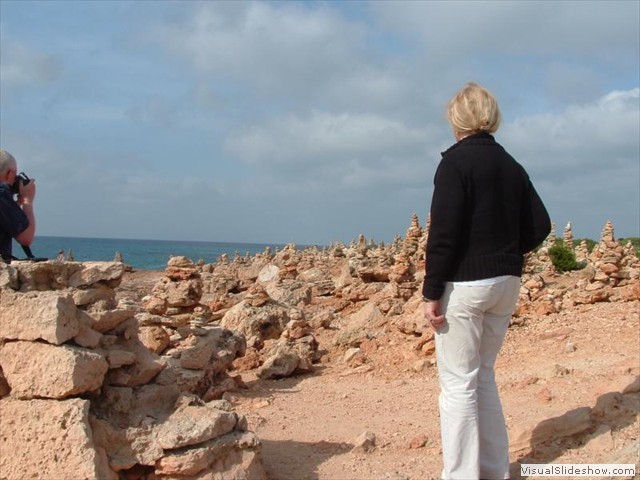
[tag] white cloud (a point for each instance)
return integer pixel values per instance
(269, 42)
(600, 136)
(344, 150)
(21, 65)
(529, 27)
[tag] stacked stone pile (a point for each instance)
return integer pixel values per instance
(83, 398)
(364, 289)
(611, 273)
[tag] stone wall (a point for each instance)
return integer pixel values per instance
(83, 397)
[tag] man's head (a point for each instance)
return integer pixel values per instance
(8, 167)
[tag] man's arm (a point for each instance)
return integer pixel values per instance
(25, 200)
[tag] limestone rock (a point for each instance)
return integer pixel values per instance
(45, 371)
(146, 367)
(235, 455)
(109, 319)
(192, 425)
(153, 337)
(191, 381)
(87, 337)
(93, 294)
(49, 439)
(361, 325)
(126, 447)
(48, 316)
(268, 274)
(8, 277)
(257, 323)
(94, 272)
(569, 423)
(281, 363)
(366, 442)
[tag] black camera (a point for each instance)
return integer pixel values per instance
(21, 178)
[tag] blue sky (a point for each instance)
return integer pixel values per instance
(309, 122)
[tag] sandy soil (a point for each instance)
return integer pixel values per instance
(549, 366)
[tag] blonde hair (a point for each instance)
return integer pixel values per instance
(473, 110)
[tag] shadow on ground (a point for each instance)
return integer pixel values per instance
(299, 459)
(553, 437)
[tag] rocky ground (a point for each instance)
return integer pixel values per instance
(374, 415)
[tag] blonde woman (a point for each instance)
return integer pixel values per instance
(485, 215)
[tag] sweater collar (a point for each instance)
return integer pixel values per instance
(481, 138)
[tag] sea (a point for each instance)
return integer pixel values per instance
(140, 254)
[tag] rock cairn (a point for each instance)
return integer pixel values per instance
(128, 389)
(82, 397)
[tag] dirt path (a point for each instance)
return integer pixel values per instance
(553, 365)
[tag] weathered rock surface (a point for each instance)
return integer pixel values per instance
(46, 371)
(49, 440)
(47, 316)
(64, 334)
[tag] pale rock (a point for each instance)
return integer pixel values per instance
(349, 354)
(360, 326)
(49, 440)
(110, 319)
(232, 456)
(191, 425)
(149, 319)
(181, 262)
(184, 293)
(418, 442)
(154, 337)
(609, 406)
(186, 380)
(93, 294)
(281, 363)
(145, 368)
(312, 275)
(198, 356)
(600, 441)
(213, 352)
(216, 391)
(268, 273)
(8, 277)
(126, 447)
(260, 323)
(94, 272)
(290, 292)
(119, 358)
(87, 337)
(526, 438)
(45, 371)
(420, 365)
(365, 442)
(155, 305)
(48, 316)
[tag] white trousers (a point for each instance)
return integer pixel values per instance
(474, 434)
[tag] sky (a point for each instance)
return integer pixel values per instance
(309, 122)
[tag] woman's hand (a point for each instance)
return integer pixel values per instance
(431, 311)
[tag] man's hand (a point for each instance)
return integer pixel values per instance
(27, 193)
(431, 311)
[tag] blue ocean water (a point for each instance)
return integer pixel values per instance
(140, 254)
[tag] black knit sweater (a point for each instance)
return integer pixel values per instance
(485, 215)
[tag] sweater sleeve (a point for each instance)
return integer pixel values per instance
(13, 220)
(535, 223)
(447, 210)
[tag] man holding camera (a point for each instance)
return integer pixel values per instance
(17, 219)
